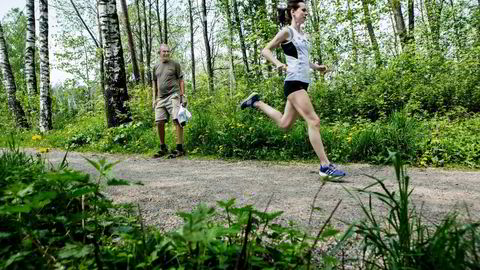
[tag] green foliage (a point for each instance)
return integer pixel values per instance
(423, 84)
(60, 219)
(402, 240)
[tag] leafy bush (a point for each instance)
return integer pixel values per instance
(61, 219)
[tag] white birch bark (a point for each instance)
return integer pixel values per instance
(9, 84)
(45, 122)
(30, 75)
(116, 94)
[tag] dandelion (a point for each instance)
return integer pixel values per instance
(36, 138)
(43, 150)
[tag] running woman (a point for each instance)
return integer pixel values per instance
(295, 45)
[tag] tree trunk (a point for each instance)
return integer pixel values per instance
(140, 42)
(354, 39)
(477, 21)
(102, 58)
(160, 35)
(317, 51)
(459, 41)
(192, 47)
(228, 11)
(45, 98)
(240, 35)
(399, 22)
(131, 46)
(434, 12)
(9, 85)
(116, 94)
(165, 24)
(207, 46)
(411, 21)
(30, 75)
(147, 45)
(371, 32)
(395, 36)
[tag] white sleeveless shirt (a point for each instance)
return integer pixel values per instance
(296, 49)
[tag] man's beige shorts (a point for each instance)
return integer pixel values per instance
(166, 107)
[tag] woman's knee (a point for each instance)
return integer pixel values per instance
(314, 121)
(285, 126)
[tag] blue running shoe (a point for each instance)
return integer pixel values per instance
(250, 100)
(330, 170)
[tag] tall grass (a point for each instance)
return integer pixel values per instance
(402, 240)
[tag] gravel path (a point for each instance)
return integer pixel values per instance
(172, 185)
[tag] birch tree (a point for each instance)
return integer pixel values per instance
(131, 45)
(207, 47)
(45, 95)
(399, 21)
(116, 94)
(140, 41)
(165, 22)
(159, 22)
(9, 84)
(30, 75)
(192, 45)
(371, 32)
(227, 8)
(238, 25)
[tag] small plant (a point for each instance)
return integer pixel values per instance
(401, 239)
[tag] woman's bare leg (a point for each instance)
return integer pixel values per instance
(285, 120)
(301, 103)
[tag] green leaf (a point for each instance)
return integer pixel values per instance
(26, 191)
(330, 232)
(93, 163)
(23, 208)
(16, 257)
(75, 251)
(82, 191)
(43, 198)
(4, 235)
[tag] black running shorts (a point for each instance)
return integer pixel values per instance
(292, 86)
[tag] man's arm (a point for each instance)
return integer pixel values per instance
(154, 90)
(182, 91)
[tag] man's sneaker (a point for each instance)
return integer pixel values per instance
(160, 153)
(250, 100)
(330, 170)
(176, 153)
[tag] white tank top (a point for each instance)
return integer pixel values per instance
(296, 50)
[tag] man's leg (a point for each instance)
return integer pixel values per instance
(179, 138)
(175, 101)
(160, 118)
(161, 131)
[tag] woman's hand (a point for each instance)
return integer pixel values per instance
(282, 67)
(322, 68)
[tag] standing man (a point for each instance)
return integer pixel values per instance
(168, 94)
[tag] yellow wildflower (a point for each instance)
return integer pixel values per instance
(43, 150)
(36, 138)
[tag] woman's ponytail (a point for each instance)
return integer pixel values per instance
(282, 10)
(284, 17)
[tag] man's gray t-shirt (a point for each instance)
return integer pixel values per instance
(167, 76)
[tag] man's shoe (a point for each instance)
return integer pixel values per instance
(176, 153)
(249, 101)
(160, 153)
(330, 170)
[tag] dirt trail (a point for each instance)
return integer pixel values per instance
(172, 185)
